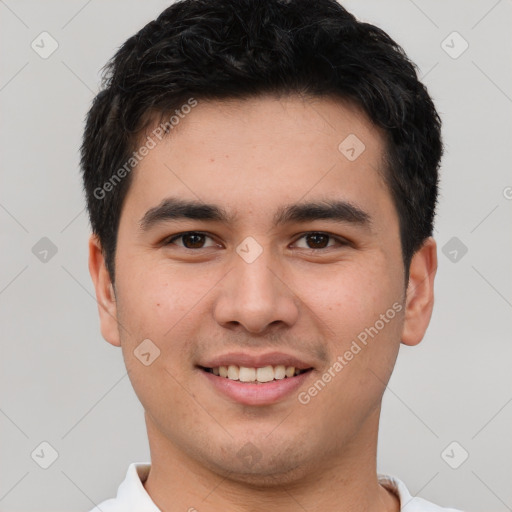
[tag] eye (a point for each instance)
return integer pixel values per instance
(319, 240)
(196, 240)
(190, 240)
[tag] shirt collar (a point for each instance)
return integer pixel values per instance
(131, 492)
(409, 503)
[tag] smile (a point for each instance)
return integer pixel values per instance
(253, 386)
(256, 375)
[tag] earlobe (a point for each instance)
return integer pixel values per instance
(105, 295)
(420, 293)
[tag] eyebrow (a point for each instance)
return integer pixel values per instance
(173, 208)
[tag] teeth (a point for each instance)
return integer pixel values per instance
(290, 371)
(233, 372)
(279, 372)
(264, 374)
(246, 374)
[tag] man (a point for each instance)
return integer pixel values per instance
(261, 180)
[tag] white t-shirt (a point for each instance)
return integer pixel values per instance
(132, 497)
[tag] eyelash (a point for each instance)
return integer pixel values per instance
(341, 241)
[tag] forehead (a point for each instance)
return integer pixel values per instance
(255, 154)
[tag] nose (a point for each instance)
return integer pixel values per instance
(257, 296)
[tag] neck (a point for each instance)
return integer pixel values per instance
(343, 481)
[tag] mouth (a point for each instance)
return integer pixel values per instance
(255, 380)
(252, 375)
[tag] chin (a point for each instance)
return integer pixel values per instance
(270, 476)
(261, 469)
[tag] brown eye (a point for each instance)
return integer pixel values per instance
(193, 241)
(317, 240)
(190, 240)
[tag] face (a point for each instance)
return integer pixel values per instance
(250, 275)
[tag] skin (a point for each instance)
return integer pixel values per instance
(252, 157)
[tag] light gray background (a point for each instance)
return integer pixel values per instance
(62, 383)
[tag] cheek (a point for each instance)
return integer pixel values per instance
(154, 302)
(348, 297)
(168, 306)
(153, 305)
(349, 305)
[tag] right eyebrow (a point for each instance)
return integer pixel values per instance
(173, 208)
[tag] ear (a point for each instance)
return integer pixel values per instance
(420, 293)
(105, 295)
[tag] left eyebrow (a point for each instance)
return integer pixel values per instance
(336, 210)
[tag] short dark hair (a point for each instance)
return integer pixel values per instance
(222, 49)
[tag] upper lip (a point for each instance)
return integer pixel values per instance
(256, 360)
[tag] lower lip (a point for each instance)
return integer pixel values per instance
(257, 394)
